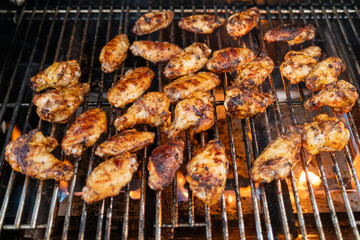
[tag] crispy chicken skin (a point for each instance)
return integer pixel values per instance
(30, 155)
(152, 109)
(155, 51)
(196, 111)
(229, 59)
(165, 160)
(58, 75)
(243, 102)
(114, 53)
(341, 96)
(130, 86)
(312, 51)
(277, 159)
(182, 87)
(255, 72)
(84, 132)
(325, 72)
(201, 23)
(127, 141)
(190, 60)
(206, 172)
(241, 23)
(57, 105)
(109, 177)
(152, 21)
(292, 34)
(297, 67)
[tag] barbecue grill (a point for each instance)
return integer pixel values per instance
(320, 199)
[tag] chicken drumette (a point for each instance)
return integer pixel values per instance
(152, 21)
(201, 23)
(241, 23)
(292, 34)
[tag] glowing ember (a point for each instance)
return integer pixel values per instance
(135, 195)
(357, 168)
(78, 194)
(16, 133)
(230, 197)
(314, 179)
(181, 191)
(243, 45)
(63, 188)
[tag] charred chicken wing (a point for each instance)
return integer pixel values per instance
(292, 34)
(201, 23)
(152, 21)
(312, 51)
(241, 23)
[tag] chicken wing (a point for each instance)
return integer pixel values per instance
(277, 159)
(341, 96)
(152, 109)
(243, 22)
(165, 160)
(297, 67)
(109, 177)
(127, 141)
(130, 86)
(152, 21)
(58, 75)
(201, 23)
(292, 34)
(30, 155)
(155, 51)
(229, 59)
(312, 51)
(57, 105)
(325, 72)
(206, 172)
(190, 60)
(84, 132)
(182, 87)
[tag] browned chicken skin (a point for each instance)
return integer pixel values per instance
(30, 155)
(165, 160)
(241, 23)
(109, 177)
(58, 75)
(292, 34)
(201, 23)
(312, 51)
(152, 21)
(84, 132)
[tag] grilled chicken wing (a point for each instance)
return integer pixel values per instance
(241, 23)
(196, 111)
(297, 67)
(312, 51)
(341, 96)
(206, 172)
(109, 177)
(114, 53)
(30, 155)
(57, 105)
(242, 102)
(277, 159)
(325, 72)
(58, 75)
(155, 51)
(255, 72)
(84, 132)
(182, 87)
(152, 21)
(152, 109)
(130, 86)
(229, 59)
(165, 160)
(201, 23)
(292, 34)
(127, 141)
(190, 60)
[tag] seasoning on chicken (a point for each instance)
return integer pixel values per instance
(30, 155)
(127, 141)
(292, 34)
(84, 132)
(57, 105)
(190, 60)
(312, 51)
(109, 177)
(206, 172)
(152, 109)
(58, 75)
(229, 59)
(341, 96)
(243, 22)
(165, 160)
(130, 86)
(152, 21)
(325, 72)
(114, 53)
(277, 159)
(182, 87)
(155, 51)
(201, 23)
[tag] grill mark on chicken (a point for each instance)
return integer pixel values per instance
(293, 34)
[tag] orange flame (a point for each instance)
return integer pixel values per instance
(230, 197)
(181, 190)
(135, 195)
(64, 187)
(243, 44)
(314, 179)
(16, 133)
(357, 169)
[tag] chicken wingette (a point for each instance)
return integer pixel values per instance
(201, 23)
(292, 34)
(242, 22)
(152, 21)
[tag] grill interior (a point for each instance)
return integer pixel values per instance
(304, 206)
